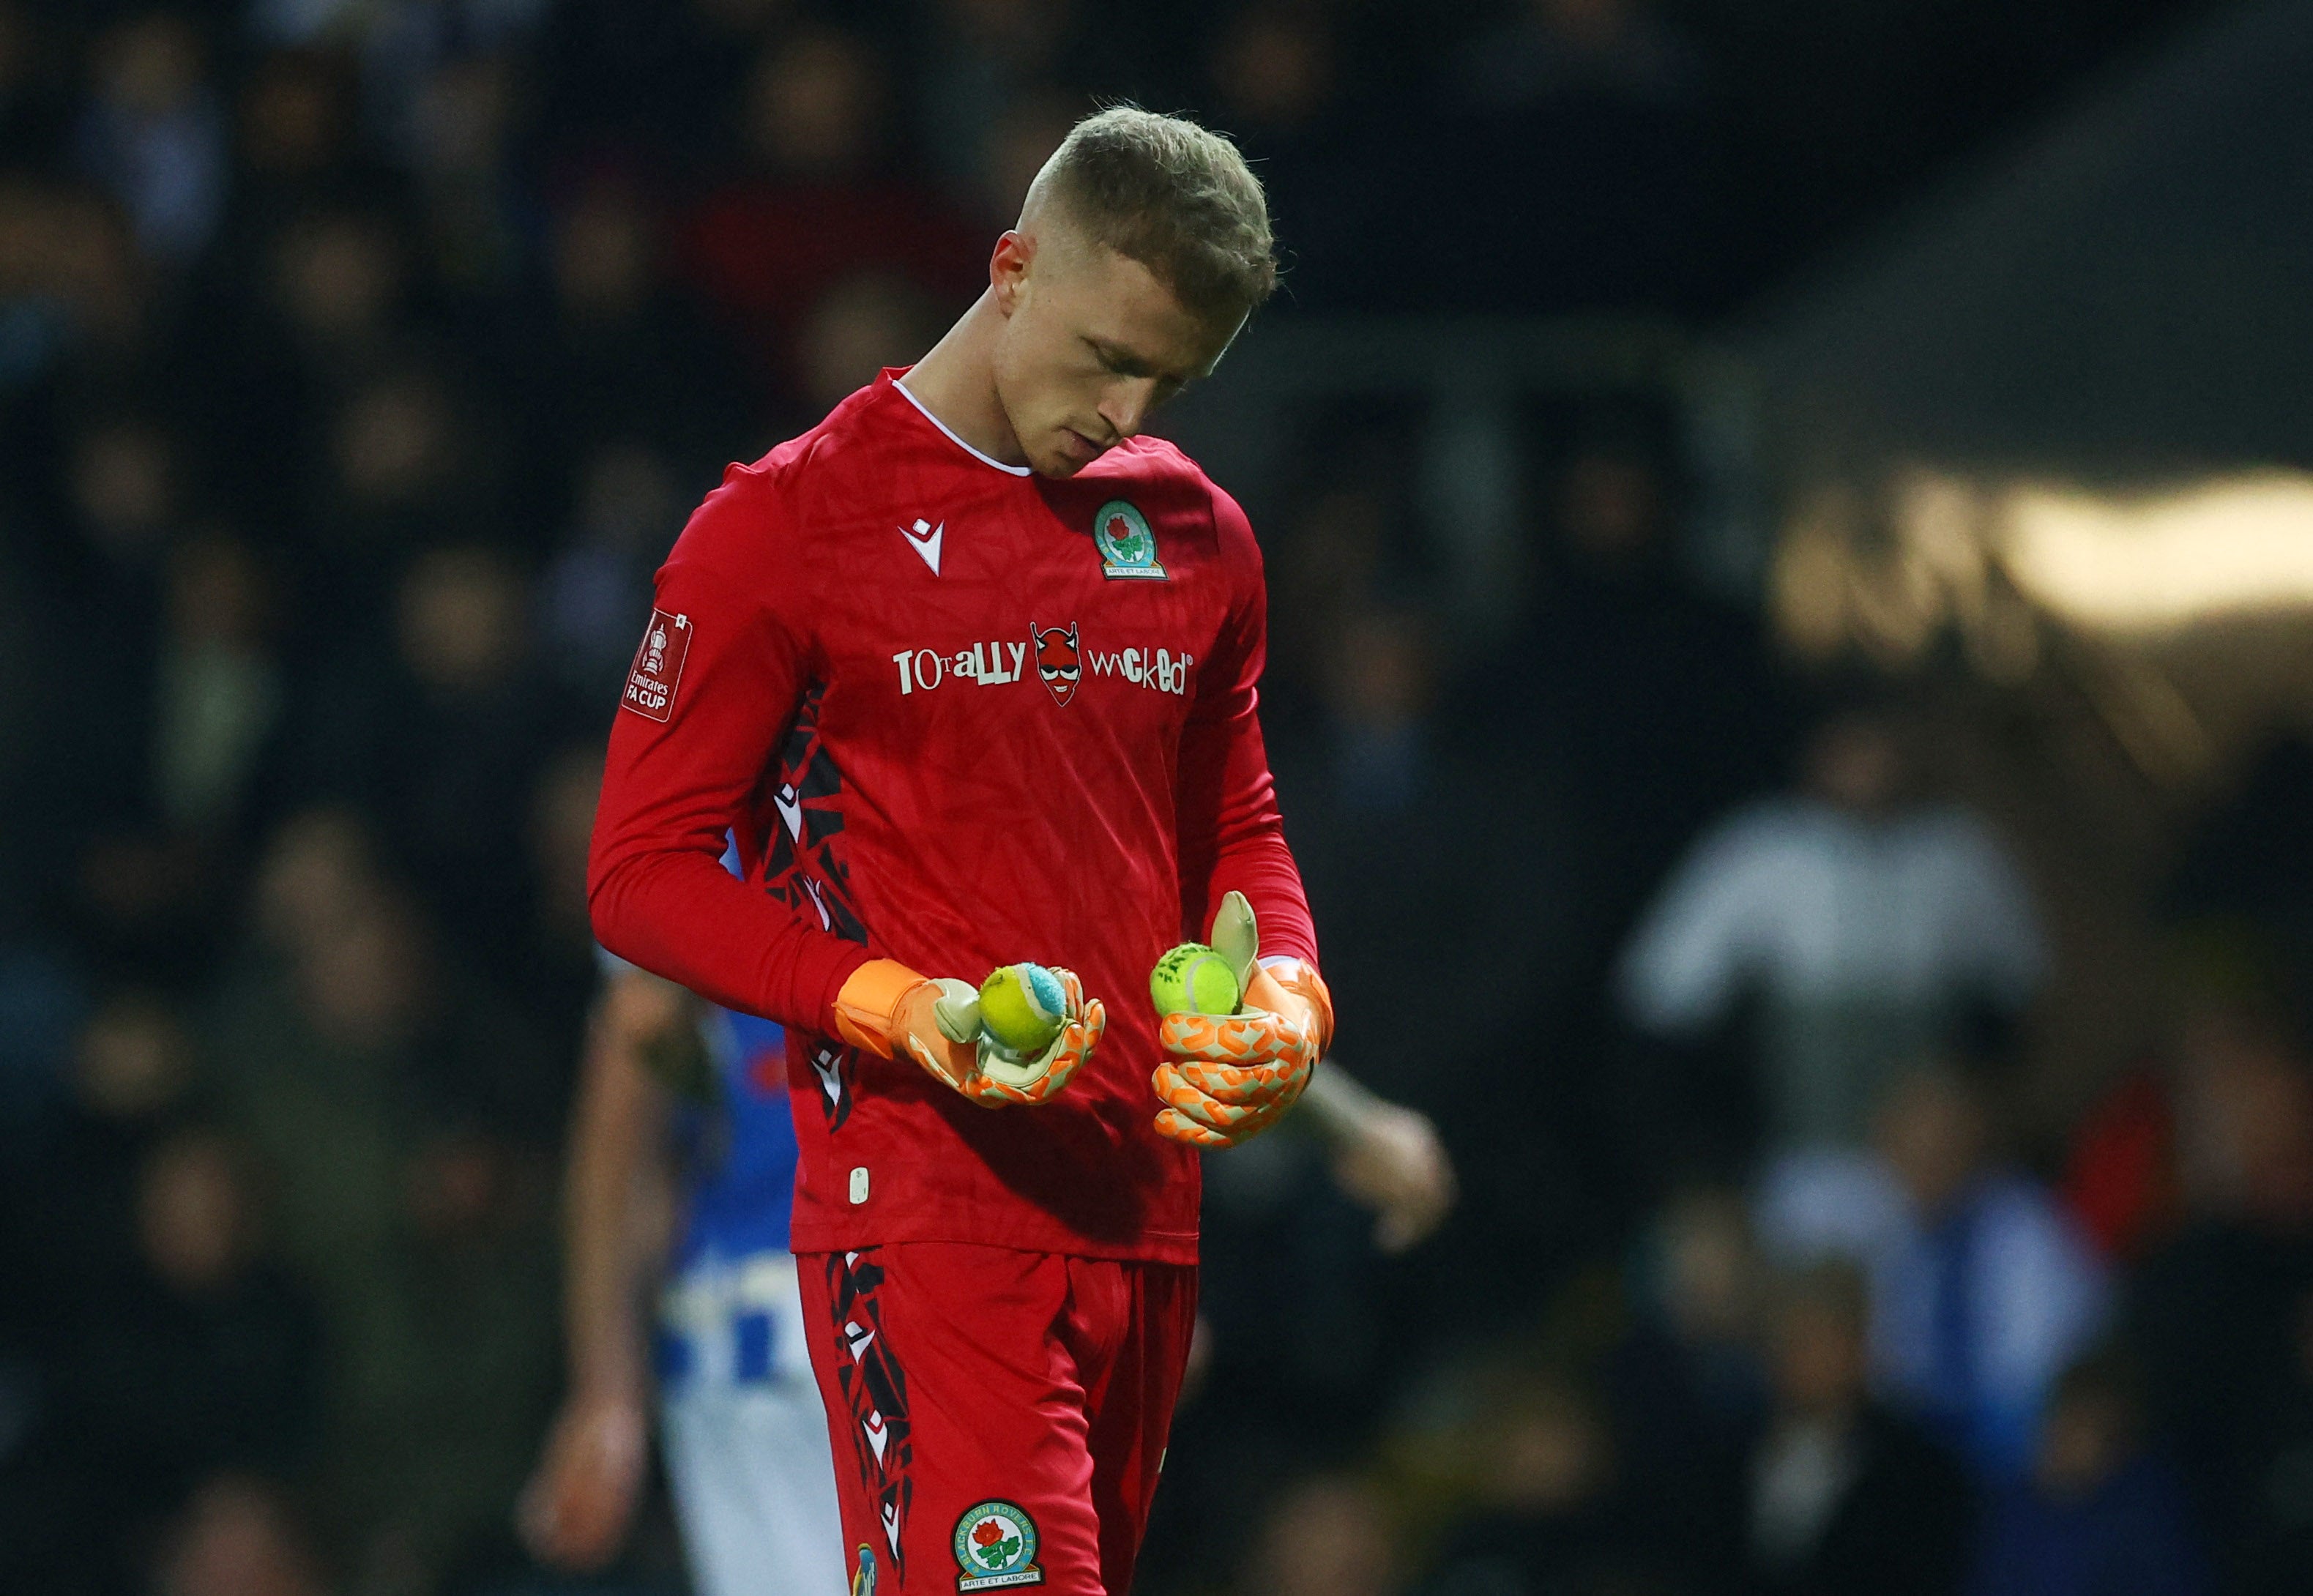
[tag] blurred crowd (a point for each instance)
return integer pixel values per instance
(358, 361)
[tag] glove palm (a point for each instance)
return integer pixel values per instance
(1228, 1078)
(894, 1012)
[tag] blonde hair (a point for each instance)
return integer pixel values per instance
(1173, 196)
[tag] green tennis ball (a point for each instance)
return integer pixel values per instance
(1022, 1007)
(1194, 980)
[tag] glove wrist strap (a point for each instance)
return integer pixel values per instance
(867, 1009)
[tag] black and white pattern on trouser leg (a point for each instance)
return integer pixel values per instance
(875, 1389)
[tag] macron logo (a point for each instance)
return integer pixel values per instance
(925, 540)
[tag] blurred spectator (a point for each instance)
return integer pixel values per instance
(193, 1357)
(1870, 925)
(861, 324)
(388, 1095)
(822, 202)
(1552, 1513)
(1281, 79)
(1644, 706)
(472, 214)
(296, 134)
(2120, 1168)
(236, 1537)
(2219, 1311)
(337, 278)
(2275, 1545)
(2098, 1513)
(463, 731)
(1983, 1285)
(320, 869)
(1686, 1384)
(124, 498)
(2247, 865)
(594, 599)
(209, 1362)
(34, 90)
(1550, 49)
(1846, 1498)
(445, 737)
(68, 1237)
(626, 359)
(1380, 702)
(326, 308)
(408, 470)
(981, 59)
(1328, 562)
(153, 135)
(1604, 100)
(111, 314)
(1014, 149)
(219, 698)
(70, 1204)
(124, 491)
(408, 51)
(1465, 827)
(1326, 1535)
(562, 824)
(559, 973)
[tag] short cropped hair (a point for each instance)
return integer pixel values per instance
(1174, 196)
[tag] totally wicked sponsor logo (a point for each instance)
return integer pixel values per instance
(1062, 659)
(1059, 663)
(1159, 670)
(991, 665)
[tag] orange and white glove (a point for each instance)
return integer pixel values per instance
(895, 1012)
(1228, 1078)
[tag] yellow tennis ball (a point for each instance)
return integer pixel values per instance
(1022, 1007)
(1194, 980)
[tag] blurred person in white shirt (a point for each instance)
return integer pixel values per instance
(1870, 926)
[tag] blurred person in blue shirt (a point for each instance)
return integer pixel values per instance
(1984, 1287)
(2100, 1514)
(743, 1428)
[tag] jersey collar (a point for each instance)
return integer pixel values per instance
(895, 373)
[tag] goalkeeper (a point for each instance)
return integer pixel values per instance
(969, 671)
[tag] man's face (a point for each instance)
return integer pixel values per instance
(1092, 343)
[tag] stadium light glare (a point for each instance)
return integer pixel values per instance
(2231, 546)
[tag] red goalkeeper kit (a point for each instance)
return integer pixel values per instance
(955, 714)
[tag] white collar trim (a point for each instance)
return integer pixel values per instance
(985, 460)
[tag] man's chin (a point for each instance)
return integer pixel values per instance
(1067, 453)
(1064, 457)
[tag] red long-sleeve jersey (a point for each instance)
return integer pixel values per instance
(954, 715)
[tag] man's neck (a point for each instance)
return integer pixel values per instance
(956, 382)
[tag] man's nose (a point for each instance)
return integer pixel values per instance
(1127, 404)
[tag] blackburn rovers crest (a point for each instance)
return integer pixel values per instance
(996, 1547)
(1127, 547)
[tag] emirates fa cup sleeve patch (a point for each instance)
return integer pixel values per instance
(658, 666)
(996, 1547)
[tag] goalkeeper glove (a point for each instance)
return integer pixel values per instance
(1228, 1077)
(893, 1012)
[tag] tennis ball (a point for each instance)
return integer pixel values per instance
(1022, 1007)
(1194, 980)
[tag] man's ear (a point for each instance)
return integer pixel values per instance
(1008, 268)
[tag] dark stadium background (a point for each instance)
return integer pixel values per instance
(1673, 406)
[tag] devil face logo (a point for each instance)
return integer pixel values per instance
(1056, 659)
